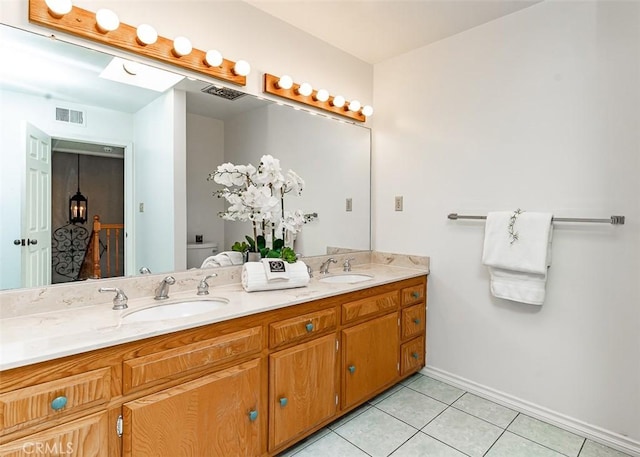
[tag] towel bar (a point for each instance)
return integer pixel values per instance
(613, 220)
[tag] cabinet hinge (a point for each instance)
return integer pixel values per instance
(337, 345)
(398, 367)
(336, 399)
(398, 322)
(119, 426)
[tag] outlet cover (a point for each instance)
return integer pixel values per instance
(398, 203)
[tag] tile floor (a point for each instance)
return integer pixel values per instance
(422, 416)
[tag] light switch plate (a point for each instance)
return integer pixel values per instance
(349, 204)
(398, 204)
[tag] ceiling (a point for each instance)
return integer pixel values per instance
(376, 30)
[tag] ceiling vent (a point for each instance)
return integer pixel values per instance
(71, 116)
(223, 92)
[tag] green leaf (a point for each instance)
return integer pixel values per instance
(261, 242)
(278, 243)
(289, 255)
(273, 254)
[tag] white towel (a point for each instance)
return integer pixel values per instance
(518, 259)
(254, 277)
(224, 259)
(276, 269)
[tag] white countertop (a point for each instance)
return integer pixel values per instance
(38, 337)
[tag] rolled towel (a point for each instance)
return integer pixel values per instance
(224, 259)
(254, 277)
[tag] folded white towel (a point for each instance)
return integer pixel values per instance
(254, 277)
(224, 259)
(518, 254)
(276, 269)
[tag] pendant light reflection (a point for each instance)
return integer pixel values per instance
(78, 204)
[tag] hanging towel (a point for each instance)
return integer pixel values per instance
(276, 269)
(517, 250)
(224, 259)
(254, 277)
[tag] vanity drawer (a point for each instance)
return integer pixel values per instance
(371, 306)
(302, 327)
(172, 363)
(413, 321)
(412, 355)
(31, 405)
(413, 294)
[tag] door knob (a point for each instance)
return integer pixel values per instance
(24, 242)
(29, 242)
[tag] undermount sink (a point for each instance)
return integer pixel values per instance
(347, 278)
(175, 310)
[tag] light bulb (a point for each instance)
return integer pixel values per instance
(367, 110)
(285, 82)
(182, 46)
(213, 58)
(58, 8)
(322, 95)
(242, 68)
(107, 20)
(146, 34)
(305, 89)
(354, 106)
(338, 101)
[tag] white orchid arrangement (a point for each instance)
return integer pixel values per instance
(257, 195)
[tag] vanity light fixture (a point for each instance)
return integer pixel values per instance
(142, 40)
(305, 89)
(322, 95)
(284, 87)
(213, 58)
(58, 8)
(285, 82)
(146, 34)
(242, 68)
(338, 101)
(182, 46)
(367, 110)
(107, 20)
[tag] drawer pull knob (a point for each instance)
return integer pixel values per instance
(283, 401)
(253, 415)
(416, 321)
(58, 403)
(415, 294)
(415, 355)
(352, 369)
(309, 327)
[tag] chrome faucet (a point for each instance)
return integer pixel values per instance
(120, 300)
(324, 268)
(145, 271)
(347, 264)
(203, 287)
(162, 291)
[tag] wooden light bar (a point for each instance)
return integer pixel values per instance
(82, 23)
(271, 87)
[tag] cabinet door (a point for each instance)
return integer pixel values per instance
(86, 437)
(216, 415)
(370, 357)
(302, 388)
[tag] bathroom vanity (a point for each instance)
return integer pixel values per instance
(235, 385)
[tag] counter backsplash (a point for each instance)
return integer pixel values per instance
(20, 302)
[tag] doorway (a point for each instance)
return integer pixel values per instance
(99, 172)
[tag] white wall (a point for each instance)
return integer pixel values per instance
(205, 151)
(538, 110)
(157, 167)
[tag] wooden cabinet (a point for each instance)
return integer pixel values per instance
(249, 386)
(302, 388)
(216, 415)
(370, 358)
(86, 437)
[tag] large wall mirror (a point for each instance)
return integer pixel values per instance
(141, 156)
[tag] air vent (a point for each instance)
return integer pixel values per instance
(71, 116)
(223, 92)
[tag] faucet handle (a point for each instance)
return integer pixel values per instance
(347, 264)
(203, 286)
(120, 300)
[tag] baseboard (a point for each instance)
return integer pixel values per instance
(600, 435)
